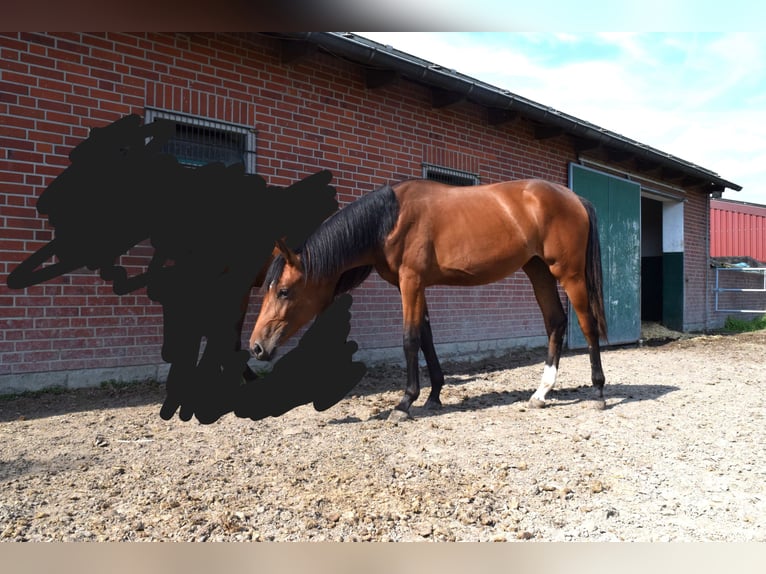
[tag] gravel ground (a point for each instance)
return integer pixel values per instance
(678, 454)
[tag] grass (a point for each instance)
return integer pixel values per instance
(115, 385)
(109, 385)
(53, 390)
(735, 325)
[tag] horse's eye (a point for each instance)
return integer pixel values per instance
(283, 293)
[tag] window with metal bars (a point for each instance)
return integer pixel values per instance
(449, 176)
(199, 141)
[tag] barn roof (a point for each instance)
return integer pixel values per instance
(383, 64)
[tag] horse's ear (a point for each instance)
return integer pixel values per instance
(290, 256)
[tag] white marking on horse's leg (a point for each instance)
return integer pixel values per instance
(546, 384)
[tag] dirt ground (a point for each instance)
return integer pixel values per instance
(678, 454)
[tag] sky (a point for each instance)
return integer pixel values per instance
(698, 96)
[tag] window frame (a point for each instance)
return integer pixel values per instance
(429, 169)
(247, 133)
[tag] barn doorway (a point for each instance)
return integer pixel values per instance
(651, 260)
(662, 260)
(618, 205)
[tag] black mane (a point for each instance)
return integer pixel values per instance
(356, 229)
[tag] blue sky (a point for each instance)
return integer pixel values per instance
(698, 96)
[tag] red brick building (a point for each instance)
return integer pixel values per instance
(299, 103)
(738, 237)
(737, 229)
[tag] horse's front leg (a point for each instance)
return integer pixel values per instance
(248, 374)
(412, 388)
(413, 309)
(435, 372)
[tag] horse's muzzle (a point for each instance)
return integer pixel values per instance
(259, 352)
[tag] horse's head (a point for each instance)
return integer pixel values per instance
(291, 300)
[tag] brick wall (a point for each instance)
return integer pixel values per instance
(311, 115)
(696, 286)
(700, 278)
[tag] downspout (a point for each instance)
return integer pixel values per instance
(707, 263)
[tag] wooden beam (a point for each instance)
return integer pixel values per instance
(716, 188)
(618, 154)
(671, 174)
(293, 50)
(496, 116)
(441, 98)
(691, 181)
(647, 165)
(547, 132)
(377, 78)
(584, 144)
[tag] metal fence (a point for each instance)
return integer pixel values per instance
(742, 289)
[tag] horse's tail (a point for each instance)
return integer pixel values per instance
(593, 275)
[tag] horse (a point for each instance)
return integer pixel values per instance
(419, 233)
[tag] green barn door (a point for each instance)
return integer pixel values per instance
(618, 206)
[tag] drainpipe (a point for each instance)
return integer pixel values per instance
(707, 264)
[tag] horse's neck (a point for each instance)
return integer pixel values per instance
(361, 260)
(332, 269)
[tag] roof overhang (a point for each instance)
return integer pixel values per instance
(384, 64)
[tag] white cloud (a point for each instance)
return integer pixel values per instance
(698, 97)
(552, 15)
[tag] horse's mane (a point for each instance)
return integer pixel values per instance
(354, 230)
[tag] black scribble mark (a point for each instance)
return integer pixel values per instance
(212, 230)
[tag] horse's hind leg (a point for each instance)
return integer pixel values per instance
(546, 293)
(435, 372)
(578, 296)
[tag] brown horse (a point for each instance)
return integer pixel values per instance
(422, 233)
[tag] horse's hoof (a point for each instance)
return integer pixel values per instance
(536, 403)
(185, 414)
(169, 408)
(599, 404)
(432, 405)
(398, 416)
